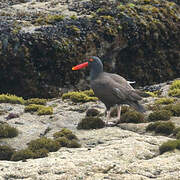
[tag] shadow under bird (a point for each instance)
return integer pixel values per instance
(111, 89)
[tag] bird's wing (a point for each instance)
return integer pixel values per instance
(120, 80)
(125, 94)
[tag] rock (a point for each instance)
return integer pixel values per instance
(48, 38)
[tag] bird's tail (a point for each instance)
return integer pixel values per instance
(138, 107)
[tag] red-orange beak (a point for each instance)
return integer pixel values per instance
(80, 66)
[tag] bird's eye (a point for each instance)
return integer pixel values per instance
(91, 60)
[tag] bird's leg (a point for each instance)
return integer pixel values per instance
(119, 114)
(107, 116)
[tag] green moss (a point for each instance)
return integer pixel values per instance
(49, 19)
(45, 111)
(165, 101)
(174, 108)
(8, 98)
(40, 153)
(168, 146)
(174, 92)
(41, 110)
(36, 101)
(89, 92)
(65, 142)
(161, 127)
(174, 89)
(175, 85)
(78, 97)
(160, 115)
(6, 152)
(43, 143)
(65, 133)
(22, 155)
(6, 131)
(132, 117)
(151, 94)
(91, 123)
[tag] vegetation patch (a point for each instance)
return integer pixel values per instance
(169, 146)
(174, 108)
(43, 143)
(160, 115)
(6, 131)
(132, 117)
(66, 138)
(40, 109)
(174, 89)
(152, 94)
(161, 127)
(65, 133)
(165, 101)
(36, 101)
(91, 123)
(82, 96)
(22, 155)
(8, 98)
(6, 152)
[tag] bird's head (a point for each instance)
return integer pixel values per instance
(93, 62)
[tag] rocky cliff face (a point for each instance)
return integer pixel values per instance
(41, 40)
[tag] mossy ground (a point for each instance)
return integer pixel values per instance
(161, 127)
(9, 98)
(82, 96)
(91, 123)
(160, 115)
(6, 131)
(40, 109)
(169, 146)
(174, 89)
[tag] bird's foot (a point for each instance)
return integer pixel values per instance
(110, 124)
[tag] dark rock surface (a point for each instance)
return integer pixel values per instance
(41, 40)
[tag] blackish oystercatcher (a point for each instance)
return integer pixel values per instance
(111, 89)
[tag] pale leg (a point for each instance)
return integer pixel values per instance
(119, 113)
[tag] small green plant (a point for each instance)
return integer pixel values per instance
(132, 117)
(174, 89)
(165, 101)
(152, 94)
(6, 131)
(6, 152)
(161, 127)
(168, 146)
(66, 138)
(91, 123)
(160, 115)
(22, 155)
(36, 101)
(43, 143)
(40, 153)
(45, 111)
(174, 108)
(74, 17)
(78, 97)
(41, 110)
(65, 133)
(8, 98)
(176, 130)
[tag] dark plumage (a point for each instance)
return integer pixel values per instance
(112, 89)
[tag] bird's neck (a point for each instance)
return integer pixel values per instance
(95, 72)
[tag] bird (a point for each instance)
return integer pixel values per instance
(110, 88)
